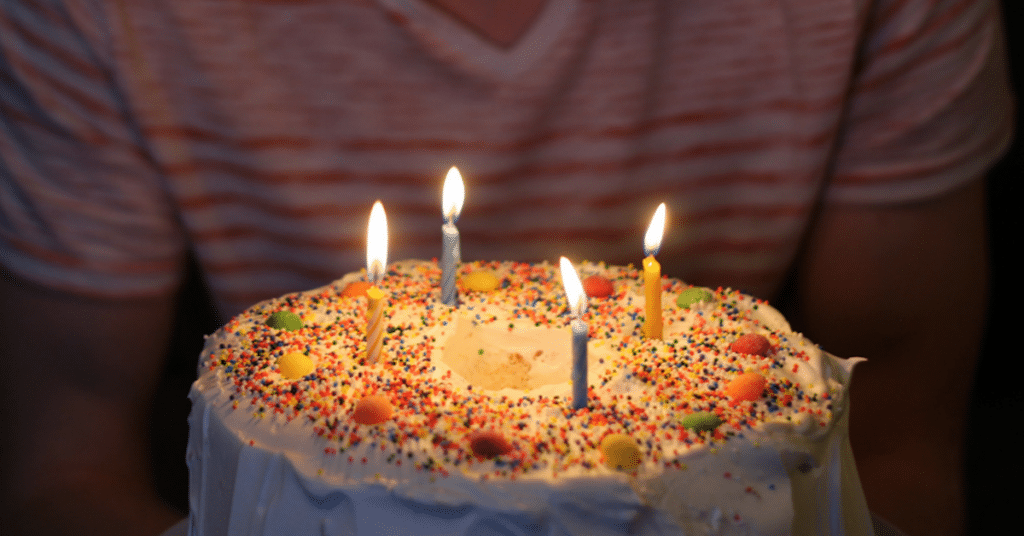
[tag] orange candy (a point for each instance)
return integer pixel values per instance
(373, 409)
(356, 289)
(746, 386)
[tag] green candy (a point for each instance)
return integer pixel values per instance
(693, 295)
(285, 320)
(702, 421)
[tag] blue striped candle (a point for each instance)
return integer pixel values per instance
(451, 251)
(450, 259)
(577, 306)
(579, 364)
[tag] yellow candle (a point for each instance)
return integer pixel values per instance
(376, 261)
(652, 275)
(375, 324)
(652, 297)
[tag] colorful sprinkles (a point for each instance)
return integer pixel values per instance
(651, 401)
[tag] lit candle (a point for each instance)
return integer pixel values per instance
(652, 275)
(376, 263)
(577, 306)
(451, 255)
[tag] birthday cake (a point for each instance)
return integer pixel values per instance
(465, 423)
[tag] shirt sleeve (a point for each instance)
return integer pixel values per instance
(83, 208)
(930, 107)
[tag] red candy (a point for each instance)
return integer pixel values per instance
(489, 443)
(373, 409)
(746, 386)
(597, 286)
(752, 344)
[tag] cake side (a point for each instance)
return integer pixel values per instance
(499, 365)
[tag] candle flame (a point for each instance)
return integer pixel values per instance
(652, 240)
(453, 195)
(376, 244)
(573, 289)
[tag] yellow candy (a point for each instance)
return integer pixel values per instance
(295, 365)
(620, 452)
(480, 281)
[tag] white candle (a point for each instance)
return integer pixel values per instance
(577, 306)
(652, 275)
(376, 264)
(451, 254)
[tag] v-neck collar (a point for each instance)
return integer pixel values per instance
(452, 41)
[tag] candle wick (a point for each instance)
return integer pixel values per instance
(376, 272)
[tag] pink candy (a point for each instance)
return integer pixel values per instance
(597, 286)
(751, 343)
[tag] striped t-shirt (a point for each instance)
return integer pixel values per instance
(258, 133)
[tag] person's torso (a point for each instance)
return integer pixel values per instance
(278, 124)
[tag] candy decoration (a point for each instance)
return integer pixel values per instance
(372, 409)
(620, 452)
(285, 320)
(746, 386)
(597, 286)
(751, 343)
(480, 281)
(701, 421)
(489, 443)
(693, 295)
(295, 365)
(356, 289)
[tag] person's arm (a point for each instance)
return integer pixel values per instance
(906, 287)
(77, 377)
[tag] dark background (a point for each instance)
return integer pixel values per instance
(994, 467)
(995, 472)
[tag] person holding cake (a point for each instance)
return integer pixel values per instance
(827, 156)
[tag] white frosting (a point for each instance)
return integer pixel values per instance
(276, 471)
